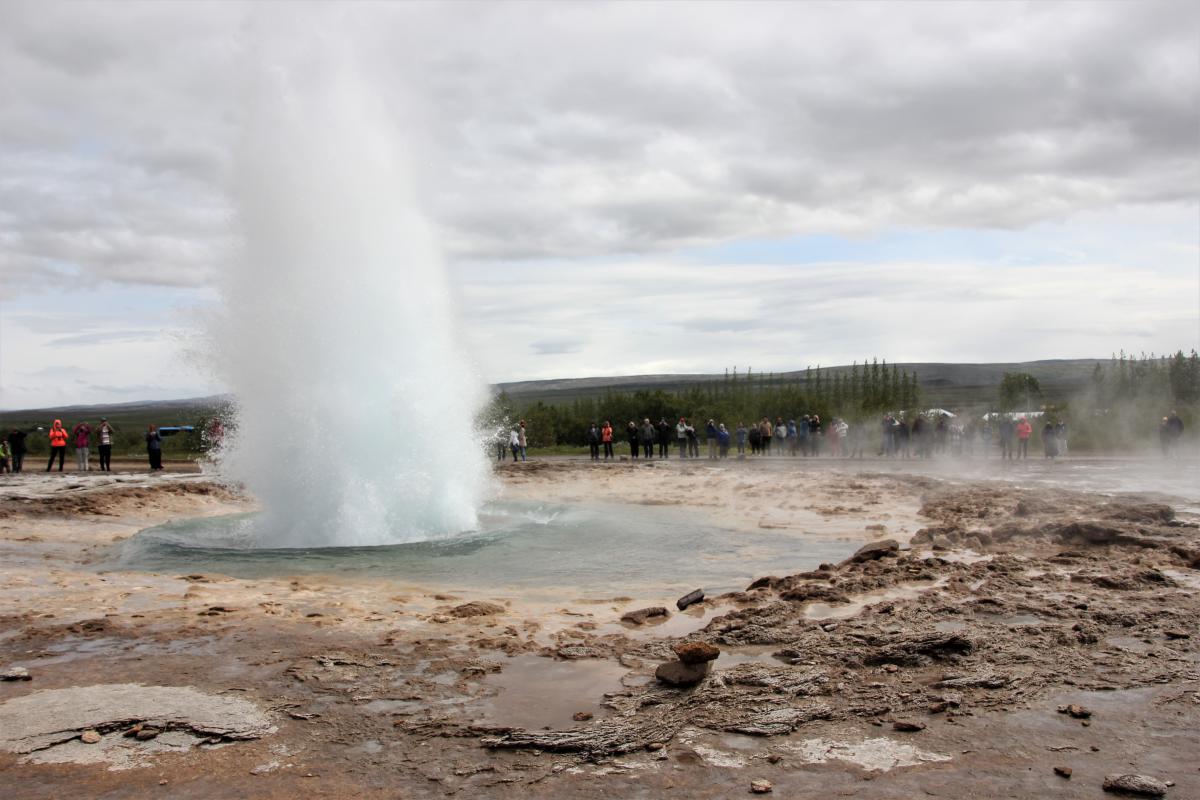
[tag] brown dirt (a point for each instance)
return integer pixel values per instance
(1008, 605)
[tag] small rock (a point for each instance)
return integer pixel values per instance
(676, 673)
(1076, 711)
(263, 769)
(643, 614)
(1064, 772)
(907, 726)
(90, 737)
(581, 716)
(162, 782)
(691, 598)
(774, 758)
(696, 652)
(654, 747)
(146, 734)
(891, 668)
(1177, 634)
(15, 674)
(829, 627)
(938, 707)
(761, 787)
(1141, 785)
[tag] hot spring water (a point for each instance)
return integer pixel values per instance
(354, 400)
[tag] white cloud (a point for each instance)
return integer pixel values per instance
(594, 142)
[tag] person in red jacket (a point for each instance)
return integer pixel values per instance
(606, 436)
(1024, 431)
(58, 444)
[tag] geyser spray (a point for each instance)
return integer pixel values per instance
(354, 403)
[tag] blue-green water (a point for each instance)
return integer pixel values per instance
(592, 548)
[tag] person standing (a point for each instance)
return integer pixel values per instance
(1024, 431)
(793, 438)
(780, 433)
(82, 434)
(681, 437)
(1050, 441)
(1006, 438)
(593, 437)
(5, 455)
(606, 438)
(1174, 432)
(723, 440)
(710, 438)
(664, 438)
(154, 447)
(58, 444)
(522, 442)
(632, 434)
(16, 446)
(1060, 434)
(765, 431)
(741, 439)
(648, 435)
(514, 444)
(814, 435)
(105, 434)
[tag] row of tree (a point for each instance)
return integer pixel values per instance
(862, 391)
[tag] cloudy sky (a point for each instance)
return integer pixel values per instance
(626, 188)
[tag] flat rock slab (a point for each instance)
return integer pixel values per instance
(44, 719)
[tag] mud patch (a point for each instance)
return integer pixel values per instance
(874, 755)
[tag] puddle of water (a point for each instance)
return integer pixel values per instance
(535, 692)
(78, 648)
(748, 655)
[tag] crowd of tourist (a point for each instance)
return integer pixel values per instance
(82, 436)
(926, 436)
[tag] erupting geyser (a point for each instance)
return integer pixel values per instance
(354, 403)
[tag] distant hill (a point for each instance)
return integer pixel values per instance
(943, 384)
(946, 385)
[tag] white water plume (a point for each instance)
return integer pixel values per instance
(355, 405)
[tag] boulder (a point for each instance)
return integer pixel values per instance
(676, 673)
(696, 652)
(691, 598)
(1139, 785)
(15, 674)
(874, 550)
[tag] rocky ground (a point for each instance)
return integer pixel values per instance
(1028, 643)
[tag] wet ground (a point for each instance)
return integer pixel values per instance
(1007, 596)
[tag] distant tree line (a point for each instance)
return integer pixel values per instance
(862, 391)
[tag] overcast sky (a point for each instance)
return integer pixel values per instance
(627, 188)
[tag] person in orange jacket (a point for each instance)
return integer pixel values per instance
(606, 434)
(1024, 431)
(58, 444)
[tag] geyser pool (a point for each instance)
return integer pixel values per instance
(355, 404)
(592, 548)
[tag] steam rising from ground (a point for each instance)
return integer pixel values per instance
(355, 407)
